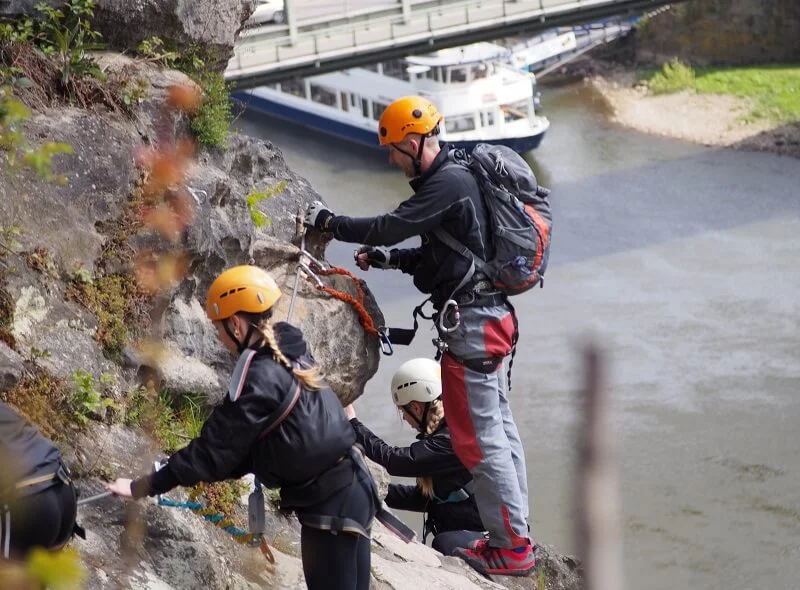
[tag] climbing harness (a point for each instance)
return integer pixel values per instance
(456, 496)
(242, 537)
(62, 474)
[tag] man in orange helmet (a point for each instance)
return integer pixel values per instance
(483, 433)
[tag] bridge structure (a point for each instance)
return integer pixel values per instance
(318, 37)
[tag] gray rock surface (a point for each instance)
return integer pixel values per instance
(11, 367)
(211, 24)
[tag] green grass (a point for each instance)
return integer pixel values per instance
(179, 421)
(774, 88)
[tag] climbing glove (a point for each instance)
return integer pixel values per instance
(378, 257)
(318, 216)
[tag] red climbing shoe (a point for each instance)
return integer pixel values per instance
(497, 561)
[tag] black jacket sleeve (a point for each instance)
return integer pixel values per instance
(422, 213)
(425, 457)
(406, 497)
(407, 259)
(218, 453)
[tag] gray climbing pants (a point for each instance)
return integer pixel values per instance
(484, 435)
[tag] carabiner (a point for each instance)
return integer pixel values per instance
(386, 344)
(450, 303)
(310, 274)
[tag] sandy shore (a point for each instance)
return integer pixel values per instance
(713, 120)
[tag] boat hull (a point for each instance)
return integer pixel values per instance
(369, 138)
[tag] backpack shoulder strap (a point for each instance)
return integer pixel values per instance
(475, 262)
(451, 242)
(282, 411)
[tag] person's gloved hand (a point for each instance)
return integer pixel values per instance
(318, 216)
(367, 256)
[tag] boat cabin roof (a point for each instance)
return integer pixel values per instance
(477, 52)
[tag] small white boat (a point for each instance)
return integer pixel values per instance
(482, 96)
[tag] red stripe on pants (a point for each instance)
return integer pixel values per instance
(497, 336)
(456, 408)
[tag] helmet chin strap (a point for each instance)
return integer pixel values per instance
(240, 344)
(423, 419)
(417, 160)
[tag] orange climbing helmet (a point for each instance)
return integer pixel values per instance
(241, 288)
(410, 114)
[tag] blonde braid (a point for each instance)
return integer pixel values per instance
(435, 416)
(310, 378)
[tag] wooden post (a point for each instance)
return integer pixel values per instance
(599, 542)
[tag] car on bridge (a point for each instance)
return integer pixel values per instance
(267, 11)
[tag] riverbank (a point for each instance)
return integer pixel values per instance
(721, 120)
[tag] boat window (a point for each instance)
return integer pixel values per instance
(323, 95)
(460, 123)
(365, 108)
(371, 67)
(396, 68)
(345, 102)
(487, 118)
(458, 75)
(434, 74)
(481, 70)
(515, 111)
(377, 109)
(295, 87)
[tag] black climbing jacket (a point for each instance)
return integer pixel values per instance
(447, 196)
(432, 455)
(26, 456)
(307, 455)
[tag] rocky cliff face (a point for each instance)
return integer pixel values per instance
(78, 231)
(724, 32)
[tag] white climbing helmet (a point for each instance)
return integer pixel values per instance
(418, 380)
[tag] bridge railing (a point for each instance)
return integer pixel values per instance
(383, 28)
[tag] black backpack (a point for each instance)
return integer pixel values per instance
(520, 220)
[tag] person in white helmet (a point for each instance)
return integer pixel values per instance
(444, 489)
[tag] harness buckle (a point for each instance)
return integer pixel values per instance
(441, 347)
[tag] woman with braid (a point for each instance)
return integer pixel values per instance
(281, 422)
(444, 488)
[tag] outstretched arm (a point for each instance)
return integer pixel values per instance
(213, 456)
(424, 457)
(420, 214)
(406, 497)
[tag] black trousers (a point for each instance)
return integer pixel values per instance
(446, 543)
(335, 561)
(45, 519)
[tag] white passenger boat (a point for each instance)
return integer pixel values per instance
(482, 96)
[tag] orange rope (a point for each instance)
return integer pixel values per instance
(357, 303)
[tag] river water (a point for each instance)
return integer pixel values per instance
(682, 262)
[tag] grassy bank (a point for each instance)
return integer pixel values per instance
(774, 88)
